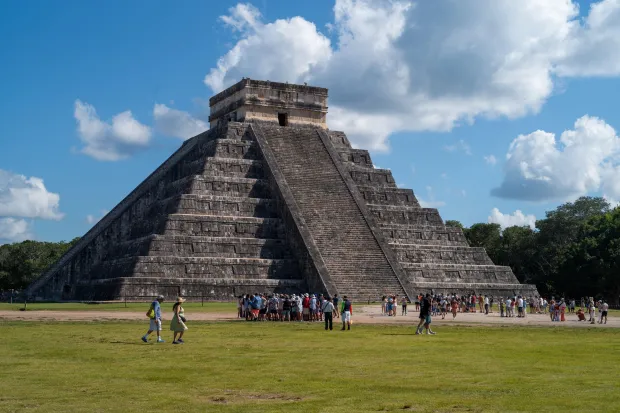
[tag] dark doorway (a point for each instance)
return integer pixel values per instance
(283, 119)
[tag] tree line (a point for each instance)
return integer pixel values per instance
(23, 262)
(573, 252)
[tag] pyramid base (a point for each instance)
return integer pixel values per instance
(491, 289)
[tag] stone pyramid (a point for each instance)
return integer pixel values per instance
(270, 200)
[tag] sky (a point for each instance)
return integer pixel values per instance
(490, 110)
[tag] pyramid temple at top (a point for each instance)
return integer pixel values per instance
(270, 200)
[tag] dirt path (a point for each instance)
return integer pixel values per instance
(365, 315)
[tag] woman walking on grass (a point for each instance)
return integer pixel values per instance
(177, 324)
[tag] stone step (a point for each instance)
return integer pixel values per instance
(328, 209)
(440, 254)
(423, 234)
(225, 148)
(403, 214)
(200, 246)
(377, 178)
(359, 157)
(242, 168)
(339, 139)
(213, 226)
(220, 186)
(388, 196)
(217, 205)
(198, 268)
(458, 272)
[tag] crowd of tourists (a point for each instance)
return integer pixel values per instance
(294, 307)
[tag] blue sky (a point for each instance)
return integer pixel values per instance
(429, 110)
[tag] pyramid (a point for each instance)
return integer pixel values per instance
(270, 200)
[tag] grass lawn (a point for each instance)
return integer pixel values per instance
(274, 367)
(121, 306)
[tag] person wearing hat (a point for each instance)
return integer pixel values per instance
(154, 314)
(177, 324)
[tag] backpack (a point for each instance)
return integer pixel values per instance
(151, 312)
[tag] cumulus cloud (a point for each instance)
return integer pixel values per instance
(25, 197)
(429, 200)
(429, 65)
(491, 160)
(517, 218)
(584, 159)
(109, 141)
(14, 230)
(285, 50)
(177, 123)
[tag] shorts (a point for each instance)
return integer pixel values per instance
(346, 317)
(261, 311)
(306, 311)
(155, 325)
(604, 314)
(255, 312)
(286, 313)
(273, 311)
(427, 319)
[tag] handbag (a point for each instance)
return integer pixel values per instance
(183, 319)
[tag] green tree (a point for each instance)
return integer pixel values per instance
(487, 236)
(454, 223)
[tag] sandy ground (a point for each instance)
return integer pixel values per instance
(365, 315)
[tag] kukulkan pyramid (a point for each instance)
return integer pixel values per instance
(270, 200)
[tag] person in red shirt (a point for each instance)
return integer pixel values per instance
(305, 304)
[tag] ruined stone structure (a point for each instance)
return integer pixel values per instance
(270, 200)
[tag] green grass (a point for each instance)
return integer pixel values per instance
(121, 306)
(279, 367)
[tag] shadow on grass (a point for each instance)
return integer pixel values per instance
(130, 343)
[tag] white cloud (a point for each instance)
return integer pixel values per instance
(517, 218)
(491, 160)
(109, 141)
(463, 192)
(14, 230)
(460, 146)
(285, 50)
(25, 197)
(428, 65)
(177, 123)
(585, 159)
(444, 176)
(430, 201)
(595, 46)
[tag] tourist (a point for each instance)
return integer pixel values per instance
(491, 304)
(347, 312)
(604, 308)
(444, 307)
(313, 308)
(508, 307)
(425, 316)
(562, 310)
(286, 309)
(519, 306)
(177, 323)
(581, 316)
(455, 306)
(155, 320)
(306, 307)
(486, 304)
(255, 305)
(404, 305)
(327, 308)
(336, 301)
(592, 311)
(240, 306)
(571, 306)
(384, 303)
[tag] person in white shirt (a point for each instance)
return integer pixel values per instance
(509, 307)
(486, 304)
(327, 308)
(604, 308)
(519, 307)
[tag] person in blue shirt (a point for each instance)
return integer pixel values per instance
(256, 304)
(155, 320)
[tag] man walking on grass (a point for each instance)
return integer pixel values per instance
(155, 320)
(327, 308)
(425, 316)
